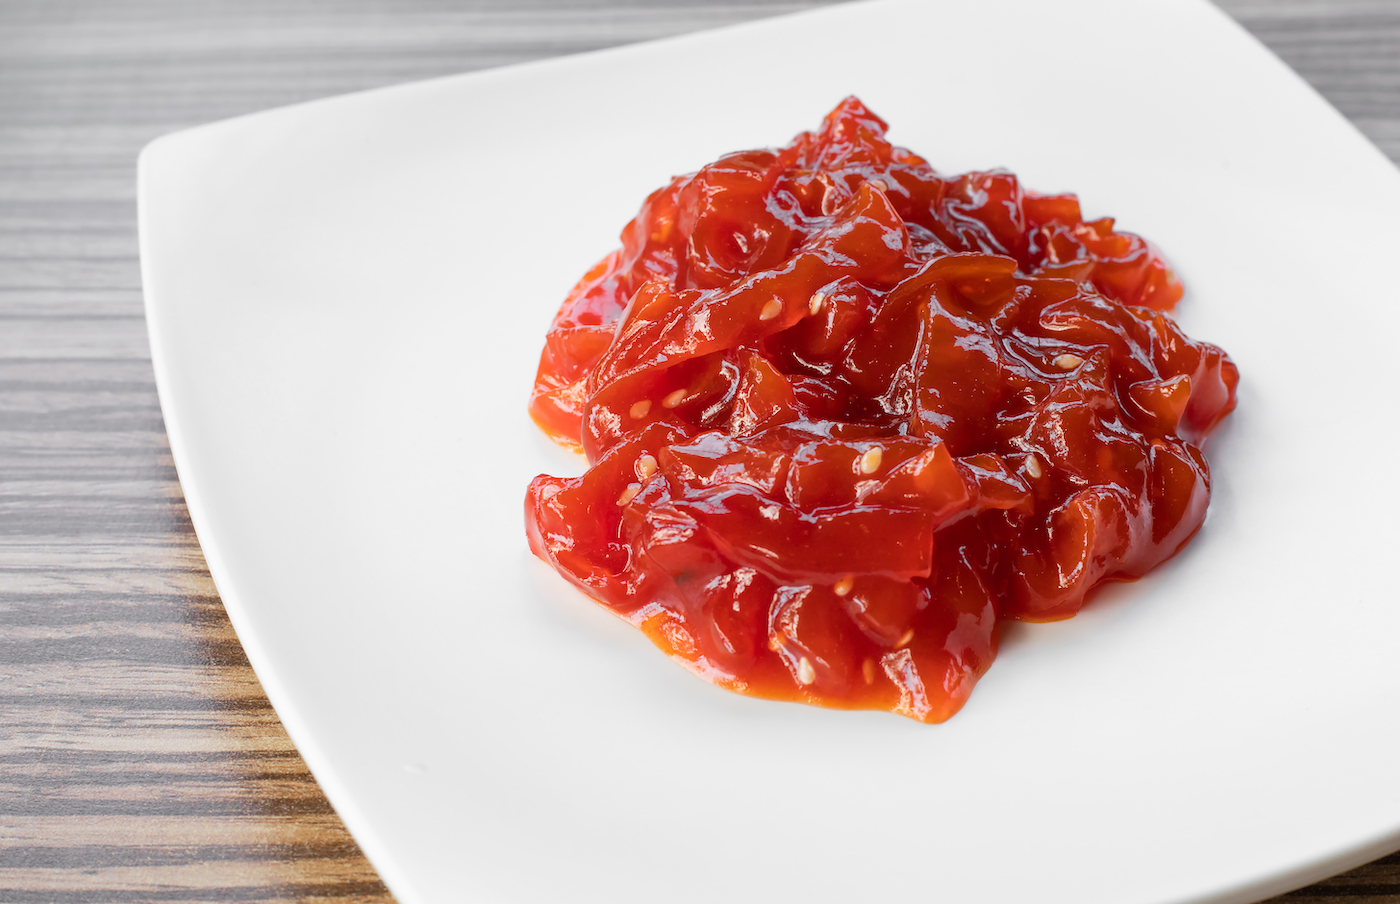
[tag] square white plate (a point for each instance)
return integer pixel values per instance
(346, 301)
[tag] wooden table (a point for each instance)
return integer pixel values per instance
(139, 758)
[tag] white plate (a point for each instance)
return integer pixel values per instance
(346, 300)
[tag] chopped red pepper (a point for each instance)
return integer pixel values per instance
(845, 416)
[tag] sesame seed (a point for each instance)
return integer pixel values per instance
(646, 466)
(775, 643)
(805, 673)
(843, 586)
(867, 671)
(870, 461)
(1068, 362)
(772, 309)
(828, 199)
(639, 409)
(880, 184)
(815, 305)
(629, 494)
(673, 399)
(1033, 466)
(904, 639)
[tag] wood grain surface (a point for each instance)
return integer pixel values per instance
(139, 759)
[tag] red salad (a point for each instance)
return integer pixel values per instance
(845, 416)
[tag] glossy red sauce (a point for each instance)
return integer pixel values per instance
(845, 416)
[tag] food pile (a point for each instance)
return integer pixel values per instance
(845, 415)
